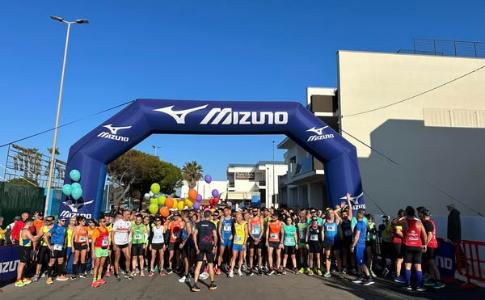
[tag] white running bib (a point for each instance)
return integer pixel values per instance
(82, 239)
(58, 247)
(313, 237)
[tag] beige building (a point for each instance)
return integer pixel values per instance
(424, 118)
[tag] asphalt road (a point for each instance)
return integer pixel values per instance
(244, 288)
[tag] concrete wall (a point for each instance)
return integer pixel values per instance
(436, 141)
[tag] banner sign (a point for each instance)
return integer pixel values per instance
(9, 261)
(445, 259)
(143, 117)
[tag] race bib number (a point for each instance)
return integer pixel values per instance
(289, 240)
(348, 232)
(105, 242)
(274, 236)
(82, 239)
(158, 237)
(313, 237)
(137, 236)
(237, 239)
(227, 228)
(256, 230)
(413, 237)
(58, 247)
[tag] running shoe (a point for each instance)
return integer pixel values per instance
(409, 288)
(310, 272)
(429, 282)
(385, 272)
(35, 278)
(150, 274)
(368, 281)
(142, 273)
(182, 279)
(118, 277)
(83, 275)
(372, 273)
(421, 289)
(195, 288)
(162, 273)
(108, 273)
(438, 285)
(239, 272)
(399, 279)
(217, 271)
(319, 273)
(73, 277)
(231, 274)
(251, 273)
(95, 284)
(327, 275)
(284, 272)
(169, 271)
(212, 286)
(359, 280)
(27, 281)
(271, 273)
(102, 281)
(301, 271)
(204, 276)
(49, 281)
(19, 283)
(62, 278)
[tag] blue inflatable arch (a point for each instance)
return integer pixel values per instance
(91, 154)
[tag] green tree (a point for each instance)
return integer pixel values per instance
(135, 171)
(192, 172)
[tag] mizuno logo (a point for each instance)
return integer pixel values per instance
(113, 133)
(75, 206)
(319, 134)
(355, 201)
(225, 116)
(318, 131)
(179, 116)
(114, 130)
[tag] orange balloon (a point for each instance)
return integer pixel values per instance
(169, 202)
(164, 212)
(192, 194)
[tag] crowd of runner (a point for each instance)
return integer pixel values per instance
(205, 243)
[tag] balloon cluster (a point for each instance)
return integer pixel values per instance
(162, 204)
(73, 190)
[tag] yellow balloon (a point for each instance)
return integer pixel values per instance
(181, 205)
(189, 203)
(175, 203)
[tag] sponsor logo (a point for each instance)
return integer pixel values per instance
(179, 115)
(355, 200)
(113, 133)
(9, 266)
(226, 116)
(66, 214)
(320, 135)
(75, 206)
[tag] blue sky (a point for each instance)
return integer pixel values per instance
(218, 50)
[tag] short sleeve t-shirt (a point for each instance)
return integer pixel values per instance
(121, 231)
(205, 231)
(362, 227)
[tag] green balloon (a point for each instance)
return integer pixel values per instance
(153, 208)
(75, 175)
(153, 201)
(161, 200)
(155, 188)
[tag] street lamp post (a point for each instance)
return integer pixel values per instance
(59, 102)
(155, 148)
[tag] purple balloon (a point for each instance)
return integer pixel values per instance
(208, 178)
(215, 193)
(196, 205)
(198, 198)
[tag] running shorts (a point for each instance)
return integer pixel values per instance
(413, 255)
(275, 245)
(359, 254)
(289, 250)
(173, 246)
(100, 252)
(253, 245)
(398, 250)
(226, 242)
(24, 253)
(207, 252)
(314, 247)
(430, 253)
(137, 250)
(157, 246)
(237, 247)
(80, 246)
(122, 246)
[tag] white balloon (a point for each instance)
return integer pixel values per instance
(146, 196)
(151, 194)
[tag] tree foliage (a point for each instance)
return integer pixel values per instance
(136, 171)
(192, 172)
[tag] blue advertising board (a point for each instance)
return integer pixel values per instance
(445, 259)
(9, 261)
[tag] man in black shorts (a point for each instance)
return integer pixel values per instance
(205, 240)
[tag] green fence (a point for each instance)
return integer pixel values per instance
(17, 198)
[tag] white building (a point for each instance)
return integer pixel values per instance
(246, 181)
(205, 189)
(418, 123)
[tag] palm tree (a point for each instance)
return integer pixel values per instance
(192, 172)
